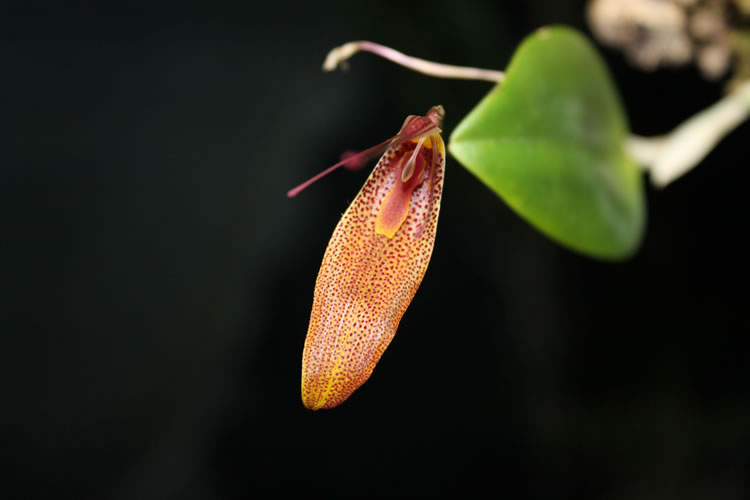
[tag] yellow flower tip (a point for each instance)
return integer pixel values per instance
(333, 383)
(313, 405)
(312, 401)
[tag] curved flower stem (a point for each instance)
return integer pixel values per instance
(670, 156)
(338, 57)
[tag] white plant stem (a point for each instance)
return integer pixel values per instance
(670, 156)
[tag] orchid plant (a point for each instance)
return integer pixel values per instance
(550, 139)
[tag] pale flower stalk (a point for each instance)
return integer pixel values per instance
(338, 57)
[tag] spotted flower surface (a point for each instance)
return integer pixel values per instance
(374, 264)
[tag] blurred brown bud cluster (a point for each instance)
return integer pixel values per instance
(655, 33)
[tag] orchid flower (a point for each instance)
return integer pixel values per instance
(374, 262)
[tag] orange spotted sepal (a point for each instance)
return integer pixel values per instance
(374, 264)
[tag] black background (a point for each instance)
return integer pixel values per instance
(157, 283)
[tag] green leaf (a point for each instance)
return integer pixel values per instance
(549, 140)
